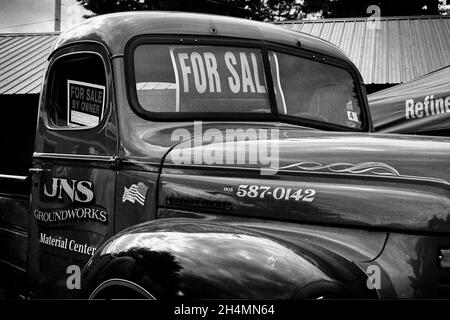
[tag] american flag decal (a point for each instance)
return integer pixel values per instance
(135, 193)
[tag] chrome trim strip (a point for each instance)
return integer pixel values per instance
(77, 157)
(9, 176)
(123, 283)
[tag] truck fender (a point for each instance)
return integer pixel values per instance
(188, 258)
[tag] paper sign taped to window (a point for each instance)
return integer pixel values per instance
(85, 103)
(352, 116)
(219, 79)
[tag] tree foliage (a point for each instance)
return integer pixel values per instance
(250, 9)
(271, 10)
(359, 8)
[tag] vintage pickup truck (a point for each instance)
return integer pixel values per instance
(196, 156)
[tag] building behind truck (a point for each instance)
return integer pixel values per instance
(386, 50)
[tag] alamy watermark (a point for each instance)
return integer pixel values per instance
(374, 277)
(373, 21)
(73, 281)
(252, 147)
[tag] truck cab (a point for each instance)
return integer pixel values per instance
(198, 156)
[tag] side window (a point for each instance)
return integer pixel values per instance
(77, 91)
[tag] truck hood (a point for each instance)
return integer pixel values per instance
(404, 156)
(372, 180)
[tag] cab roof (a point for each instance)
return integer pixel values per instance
(115, 30)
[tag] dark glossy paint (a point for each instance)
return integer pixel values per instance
(402, 181)
(187, 258)
(411, 264)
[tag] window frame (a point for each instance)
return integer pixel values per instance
(265, 47)
(55, 58)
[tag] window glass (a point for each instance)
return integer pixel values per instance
(77, 91)
(210, 79)
(182, 78)
(318, 91)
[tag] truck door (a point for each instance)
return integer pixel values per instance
(73, 176)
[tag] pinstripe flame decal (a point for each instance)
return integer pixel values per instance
(377, 168)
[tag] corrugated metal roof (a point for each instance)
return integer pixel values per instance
(23, 59)
(399, 50)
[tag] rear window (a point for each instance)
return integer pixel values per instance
(212, 79)
(77, 85)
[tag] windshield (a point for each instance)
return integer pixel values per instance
(211, 79)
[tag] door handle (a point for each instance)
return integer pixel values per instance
(35, 170)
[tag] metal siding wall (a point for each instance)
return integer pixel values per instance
(317, 29)
(297, 27)
(445, 24)
(22, 62)
(19, 48)
(327, 31)
(419, 54)
(406, 54)
(394, 58)
(307, 27)
(368, 54)
(436, 47)
(403, 49)
(442, 42)
(12, 45)
(336, 36)
(357, 47)
(347, 37)
(380, 70)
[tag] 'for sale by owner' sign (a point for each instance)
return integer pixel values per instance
(215, 79)
(85, 103)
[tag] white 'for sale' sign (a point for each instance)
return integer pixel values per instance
(85, 103)
(213, 78)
